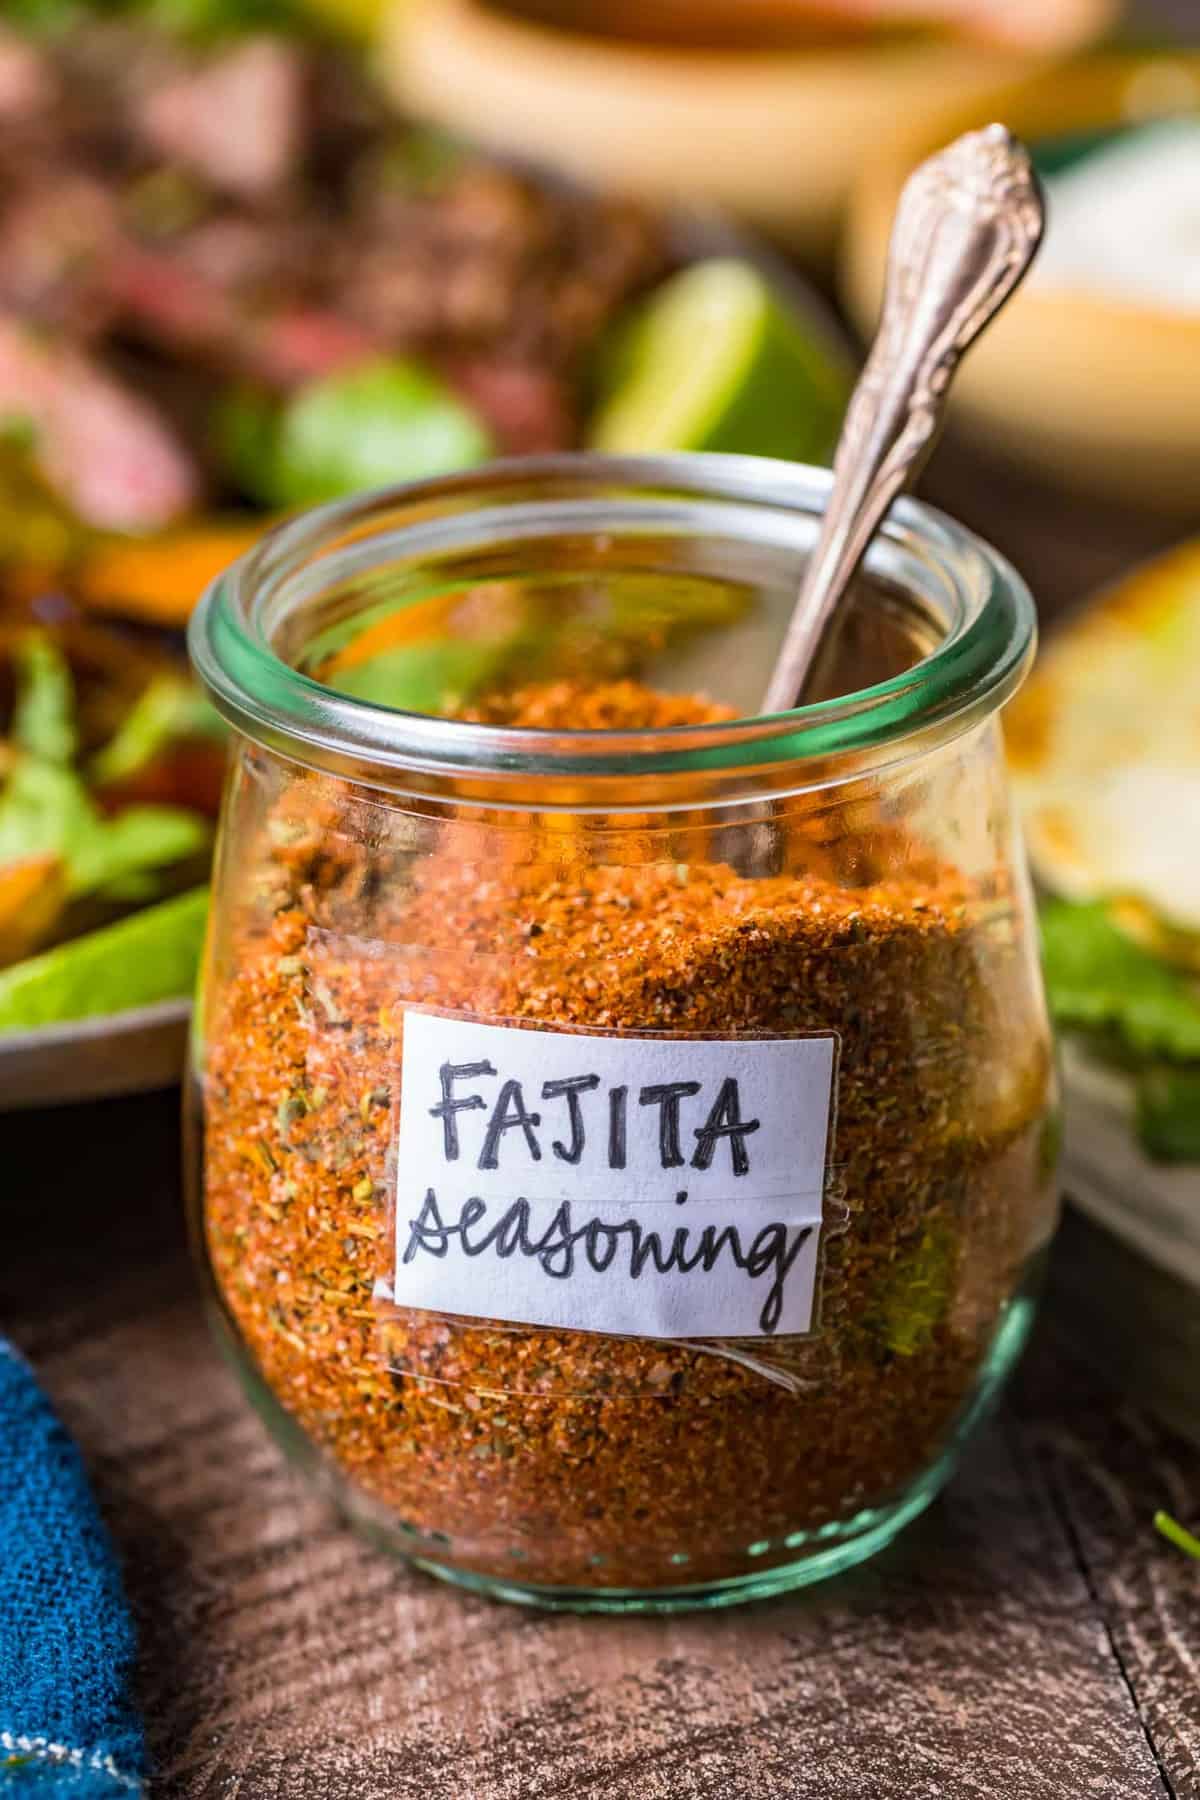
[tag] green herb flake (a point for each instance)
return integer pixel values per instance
(916, 1294)
(1175, 1534)
(293, 1106)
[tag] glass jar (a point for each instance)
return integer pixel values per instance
(622, 1129)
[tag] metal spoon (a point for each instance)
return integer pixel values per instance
(968, 225)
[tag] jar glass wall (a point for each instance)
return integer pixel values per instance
(507, 1257)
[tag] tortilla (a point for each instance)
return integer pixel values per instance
(1104, 745)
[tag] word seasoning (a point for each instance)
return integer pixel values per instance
(647, 1187)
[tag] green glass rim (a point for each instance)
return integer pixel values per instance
(987, 616)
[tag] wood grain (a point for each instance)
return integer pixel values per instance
(1030, 1638)
(1104, 1488)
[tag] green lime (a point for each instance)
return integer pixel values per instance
(370, 426)
(716, 360)
(153, 955)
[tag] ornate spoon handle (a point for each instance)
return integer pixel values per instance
(968, 224)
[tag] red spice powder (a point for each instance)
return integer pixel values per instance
(572, 1458)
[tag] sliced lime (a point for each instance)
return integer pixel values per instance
(150, 956)
(716, 360)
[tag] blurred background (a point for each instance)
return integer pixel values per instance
(256, 254)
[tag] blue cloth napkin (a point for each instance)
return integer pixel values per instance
(67, 1721)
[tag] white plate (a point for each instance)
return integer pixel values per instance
(90, 1059)
(1153, 1207)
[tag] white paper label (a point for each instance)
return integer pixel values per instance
(647, 1187)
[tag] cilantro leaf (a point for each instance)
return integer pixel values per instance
(140, 839)
(1100, 981)
(46, 810)
(1175, 1533)
(44, 716)
(1168, 1113)
(170, 707)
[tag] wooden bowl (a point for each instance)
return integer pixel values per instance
(773, 136)
(1096, 393)
(1058, 25)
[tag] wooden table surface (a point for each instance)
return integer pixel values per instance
(1030, 1638)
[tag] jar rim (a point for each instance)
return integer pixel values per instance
(981, 659)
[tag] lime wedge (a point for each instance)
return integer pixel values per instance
(716, 360)
(150, 956)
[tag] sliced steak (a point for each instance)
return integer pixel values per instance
(104, 449)
(239, 120)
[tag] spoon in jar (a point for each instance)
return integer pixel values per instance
(967, 227)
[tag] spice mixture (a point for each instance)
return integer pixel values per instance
(572, 1458)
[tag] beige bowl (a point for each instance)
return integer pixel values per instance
(775, 137)
(1096, 393)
